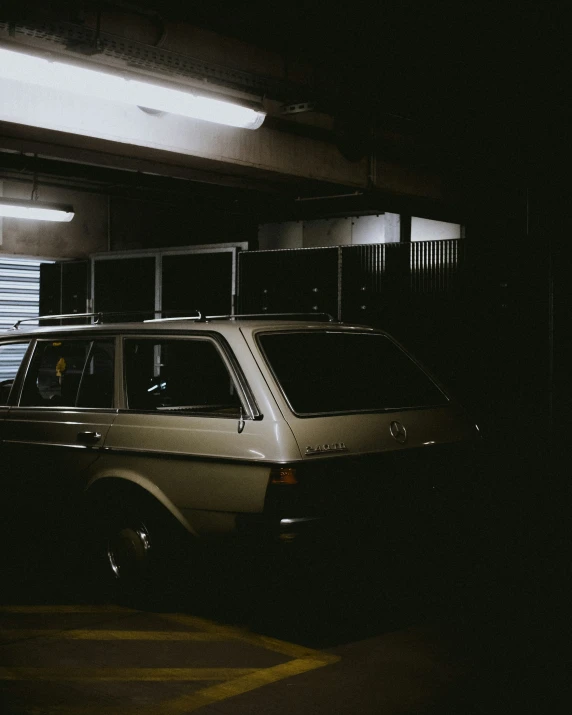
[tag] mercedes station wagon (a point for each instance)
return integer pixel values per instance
(263, 427)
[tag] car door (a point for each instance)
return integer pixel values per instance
(12, 359)
(12, 355)
(182, 432)
(57, 424)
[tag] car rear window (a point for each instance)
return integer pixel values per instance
(323, 372)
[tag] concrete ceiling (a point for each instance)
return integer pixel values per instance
(473, 82)
(484, 60)
(470, 66)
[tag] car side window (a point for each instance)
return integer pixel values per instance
(70, 373)
(186, 376)
(96, 387)
(11, 356)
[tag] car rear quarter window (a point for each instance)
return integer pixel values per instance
(328, 372)
(185, 376)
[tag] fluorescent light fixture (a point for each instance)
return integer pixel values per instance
(37, 210)
(46, 71)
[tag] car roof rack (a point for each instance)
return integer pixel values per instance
(199, 317)
(269, 316)
(255, 316)
(100, 316)
(63, 316)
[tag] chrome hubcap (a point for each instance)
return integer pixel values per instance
(128, 552)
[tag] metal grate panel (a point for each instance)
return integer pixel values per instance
(19, 298)
(11, 357)
(435, 266)
(19, 290)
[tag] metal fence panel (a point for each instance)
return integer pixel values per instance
(354, 282)
(435, 266)
(289, 281)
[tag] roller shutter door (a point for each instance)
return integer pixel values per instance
(19, 298)
(19, 290)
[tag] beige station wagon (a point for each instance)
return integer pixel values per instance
(262, 427)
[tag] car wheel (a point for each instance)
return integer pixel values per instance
(132, 548)
(128, 550)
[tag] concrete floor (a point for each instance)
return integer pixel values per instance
(296, 636)
(84, 659)
(476, 631)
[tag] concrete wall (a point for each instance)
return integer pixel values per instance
(424, 229)
(349, 231)
(117, 223)
(122, 129)
(86, 233)
(137, 224)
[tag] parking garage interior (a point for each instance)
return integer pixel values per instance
(408, 175)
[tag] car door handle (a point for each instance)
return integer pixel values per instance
(88, 437)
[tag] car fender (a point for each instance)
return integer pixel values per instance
(128, 476)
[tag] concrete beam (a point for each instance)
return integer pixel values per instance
(264, 150)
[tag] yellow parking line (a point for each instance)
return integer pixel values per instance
(65, 609)
(123, 674)
(105, 635)
(235, 680)
(235, 633)
(215, 693)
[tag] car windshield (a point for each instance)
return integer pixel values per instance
(335, 372)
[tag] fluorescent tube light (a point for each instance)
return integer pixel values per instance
(38, 210)
(103, 84)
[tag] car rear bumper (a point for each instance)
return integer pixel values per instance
(411, 489)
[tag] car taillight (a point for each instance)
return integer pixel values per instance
(283, 475)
